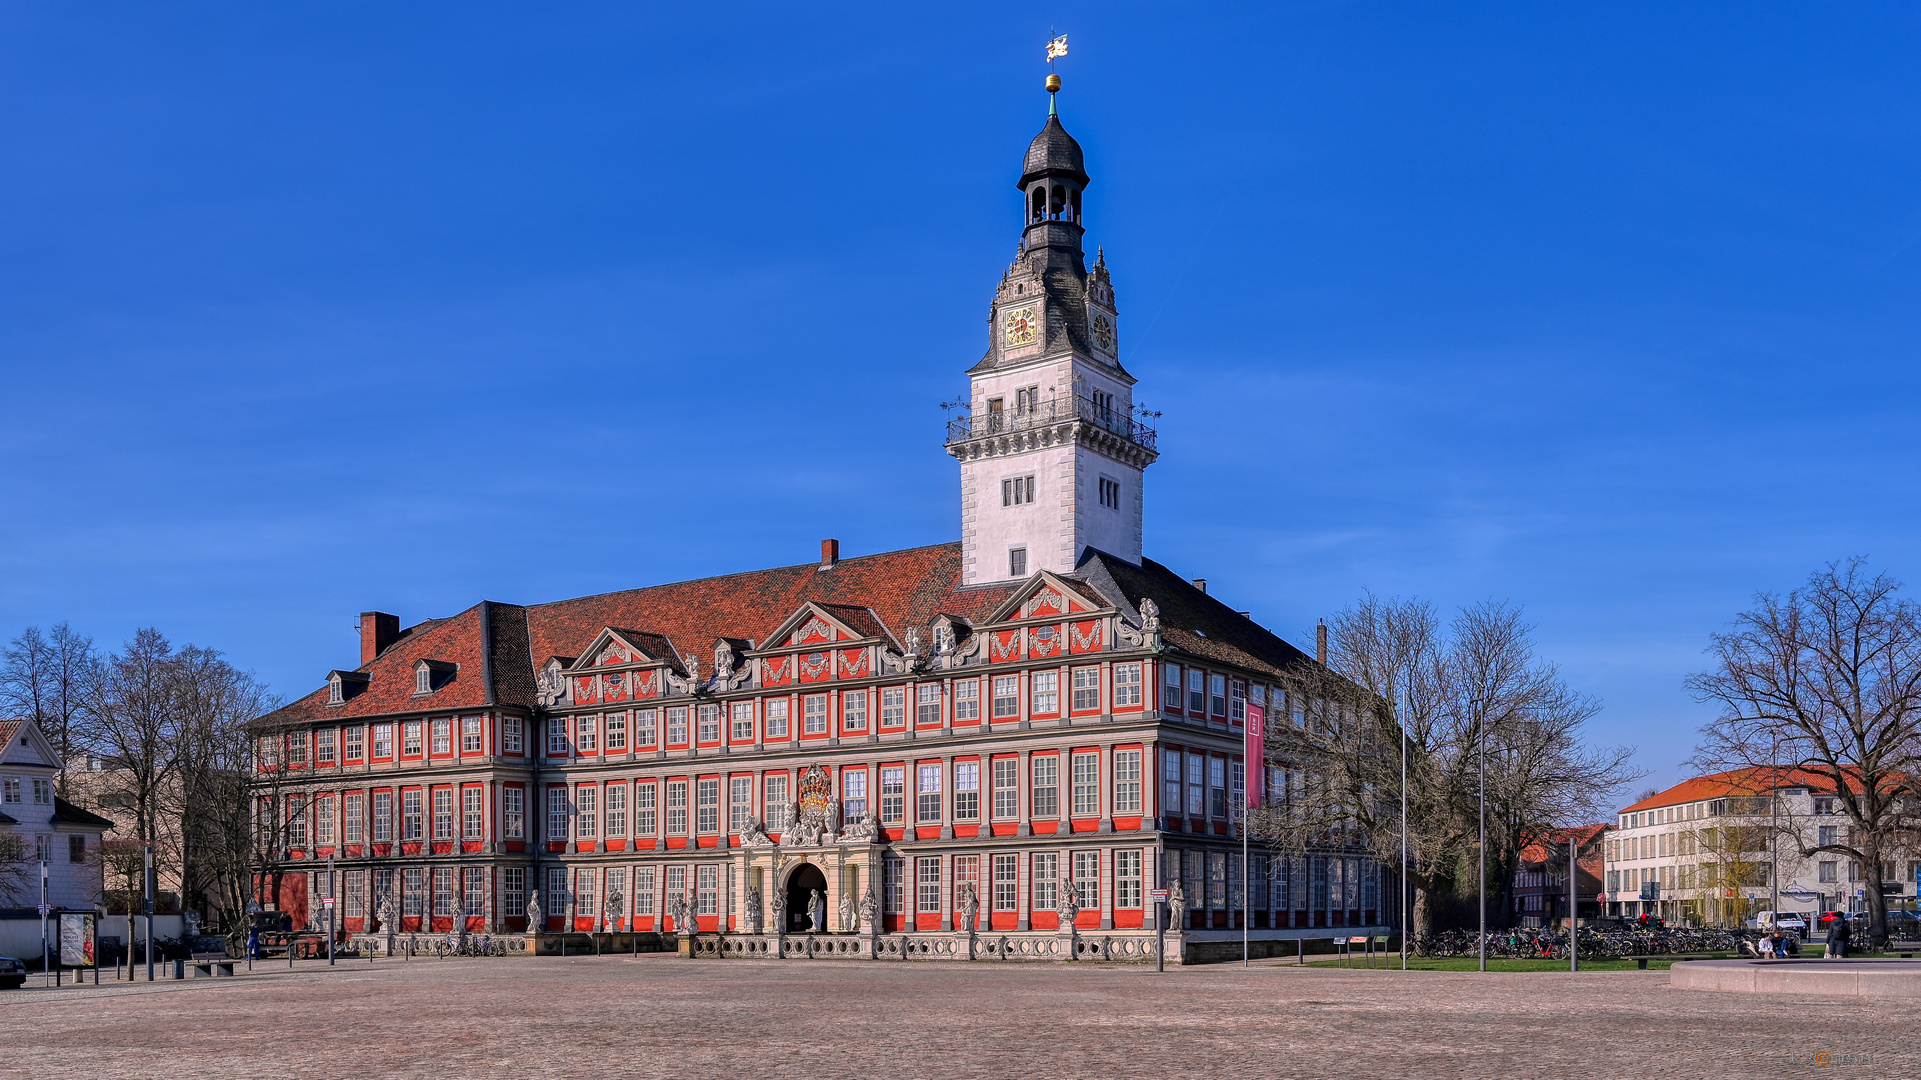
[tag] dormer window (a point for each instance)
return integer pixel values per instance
(431, 675)
(342, 685)
(334, 694)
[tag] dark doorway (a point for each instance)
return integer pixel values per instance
(800, 893)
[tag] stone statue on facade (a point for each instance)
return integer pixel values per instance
(865, 830)
(1068, 906)
(691, 682)
(753, 909)
(817, 910)
(550, 686)
(869, 910)
(913, 642)
(615, 901)
(1148, 633)
(943, 637)
(677, 907)
(753, 834)
(536, 919)
(970, 906)
(846, 912)
(778, 903)
(1176, 906)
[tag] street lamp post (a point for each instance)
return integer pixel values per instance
(146, 885)
(1573, 870)
(1483, 883)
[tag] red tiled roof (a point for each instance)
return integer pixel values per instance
(480, 640)
(8, 729)
(1583, 835)
(1750, 781)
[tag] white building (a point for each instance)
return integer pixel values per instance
(1710, 850)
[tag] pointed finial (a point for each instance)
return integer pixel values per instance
(1053, 87)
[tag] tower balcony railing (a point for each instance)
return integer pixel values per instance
(1107, 418)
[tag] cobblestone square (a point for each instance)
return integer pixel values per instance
(663, 1016)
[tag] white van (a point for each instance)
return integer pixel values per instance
(1788, 922)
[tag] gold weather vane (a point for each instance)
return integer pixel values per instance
(1057, 48)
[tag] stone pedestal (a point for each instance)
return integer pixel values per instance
(686, 944)
(533, 942)
(1070, 940)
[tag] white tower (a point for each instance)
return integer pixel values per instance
(1051, 457)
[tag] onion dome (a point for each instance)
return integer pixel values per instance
(1053, 153)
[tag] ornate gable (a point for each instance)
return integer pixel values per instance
(819, 626)
(1043, 596)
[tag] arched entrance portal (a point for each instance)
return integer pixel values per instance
(800, 893)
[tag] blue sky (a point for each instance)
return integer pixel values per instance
(1608, 312)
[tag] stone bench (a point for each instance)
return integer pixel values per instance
(211, 964)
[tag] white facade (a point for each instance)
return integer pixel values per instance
(60, 837)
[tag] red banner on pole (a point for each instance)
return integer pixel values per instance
(1256, 755)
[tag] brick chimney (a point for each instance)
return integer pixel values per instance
(1320, 642)
(1200, 583)
(377, 631)
(829, 554)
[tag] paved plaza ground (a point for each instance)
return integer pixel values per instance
(663, 1016)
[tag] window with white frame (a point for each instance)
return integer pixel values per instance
(1237, 701)
(774, 796)
(927, 794)
(423, 680)
(967, 700)
(1196, 785)
(586, 891)
(413, 820)
(443, 813)
(586, 734)
(644, 727)
(616, 811)
(927, 877)
(777, 718)
(10, 789)
(1046, 787)
(644, 891)
(323, 820)
(471, 814)
(853, 795)
(1046, 691)
(967, 791)
(1007, 795)
(853, 710)
(1007, 696)
(677, 726)
(1236, 784)
(353, 900)
(324, 747)
(676, 808)
(706, 889)
(1087, 785)
(1196, 692)
(1007, 883)
(443, 736)
(893, 782)
(557, 743)
(1017, 491)
(443, 892)
(616, 731)
(560, 817)
(353, 807)
(476, 892)
(383, 740)
(644, 809)
(1047, 872)
(510, 735)
(893, 706)
(1217, 695)
(1127, 878)
(813, 711)
(1171, 686)
(1127, 781)
(470, 735)
(1110, 493)
(413, 892)
(296, 749)
(1087, 689)
(383, 817)
(1127, 686)
(1087, 878)
(708, 796)
(740, 802)
(743, 721)
(513, 812)
(1216, 787)
(927, 705)
(709, 723)
(513, 890)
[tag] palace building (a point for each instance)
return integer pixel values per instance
(992, 748)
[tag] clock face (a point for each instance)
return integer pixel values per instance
(1103, 332)
(1020, 326)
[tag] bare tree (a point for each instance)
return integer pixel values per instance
(1829, 678)
(17, 864)
(132, 710)
(208, 809)
(1400, 690)
(49, 680)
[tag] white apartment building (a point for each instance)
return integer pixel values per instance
(1714, 850)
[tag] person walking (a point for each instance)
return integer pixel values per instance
(1838, 937)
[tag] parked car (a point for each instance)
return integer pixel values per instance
(13, 973)
(1829, 916)
(1788, 922)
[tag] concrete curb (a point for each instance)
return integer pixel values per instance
(1831, 978)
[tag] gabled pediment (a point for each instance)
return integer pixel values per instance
(1045, 595)
(817, 625)
(618, 645)
(28, 745)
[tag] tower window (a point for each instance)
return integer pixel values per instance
(1027, 400)
(1110, 493)
(1040, 204)
(1017, 491)
(1017, 562)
